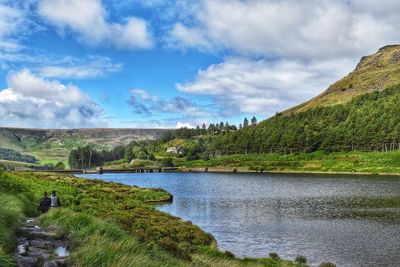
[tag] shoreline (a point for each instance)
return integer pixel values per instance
(218, 170)
(128, 219)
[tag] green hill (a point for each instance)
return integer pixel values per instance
(373, 73)
(54, 144)
(359, 112)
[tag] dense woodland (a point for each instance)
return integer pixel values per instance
(88, 157)
(370, 122)
(9, 154)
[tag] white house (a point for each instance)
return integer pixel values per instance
(175, 149)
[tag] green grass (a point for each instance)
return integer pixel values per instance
(111, 224)
(16, 201)
(136, 163)
(100, 243)
(367, 162)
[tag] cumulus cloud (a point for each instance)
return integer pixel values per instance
(183, 37)
(281, 52)
(89, 20)
(242, 85)
(31, 101)
(296, 29)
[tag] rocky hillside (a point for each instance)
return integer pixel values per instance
(55, 144)
(373, 73)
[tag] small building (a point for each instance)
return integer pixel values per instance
(175, 149)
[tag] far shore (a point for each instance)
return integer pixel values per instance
(218, 170)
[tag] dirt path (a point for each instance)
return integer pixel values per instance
(39, 248)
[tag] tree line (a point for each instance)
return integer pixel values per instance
(87, 157)
(9, 154)
(369, 122)
(211, 129)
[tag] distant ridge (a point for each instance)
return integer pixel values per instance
(56, 143)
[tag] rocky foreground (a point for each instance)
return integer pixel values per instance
(39, 248)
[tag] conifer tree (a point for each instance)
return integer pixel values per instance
(245, 122)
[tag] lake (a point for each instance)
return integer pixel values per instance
(347, 220)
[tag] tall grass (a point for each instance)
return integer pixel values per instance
(111, 224)
(100, 243)
(15, 203)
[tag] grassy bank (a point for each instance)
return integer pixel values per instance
(112, 224)
(363, 162)
(16, 202)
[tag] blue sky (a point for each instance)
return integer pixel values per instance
(159, 63)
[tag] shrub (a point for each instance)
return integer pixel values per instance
(301, 259)
(327, 264)
(141, 155)
(59, 166)
(167, 162)
(229, 254)
(274, 256)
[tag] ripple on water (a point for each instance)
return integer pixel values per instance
(348, 220)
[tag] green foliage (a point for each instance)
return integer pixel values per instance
(141, 155)
(15, 202)
(9, 154)
(319, 161)
(369, 122)
(111, 224)
(59, 165)
(301, 259)
(167, 162)
(104, 243)
(274, 255)
(87, 157)
(123, 204)
(327, 264)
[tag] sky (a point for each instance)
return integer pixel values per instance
(176, 63)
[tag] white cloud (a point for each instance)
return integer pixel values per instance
(182, 37)
(169, 123)
(31, 101)
(91, 67)
(144, 95)
(183, 125)
(12, 27)
(281, 52)
(242, 85)
(88, 19)
(296, 29)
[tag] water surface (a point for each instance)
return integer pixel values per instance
(348, 220)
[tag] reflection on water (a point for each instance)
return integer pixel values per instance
(351, 221)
